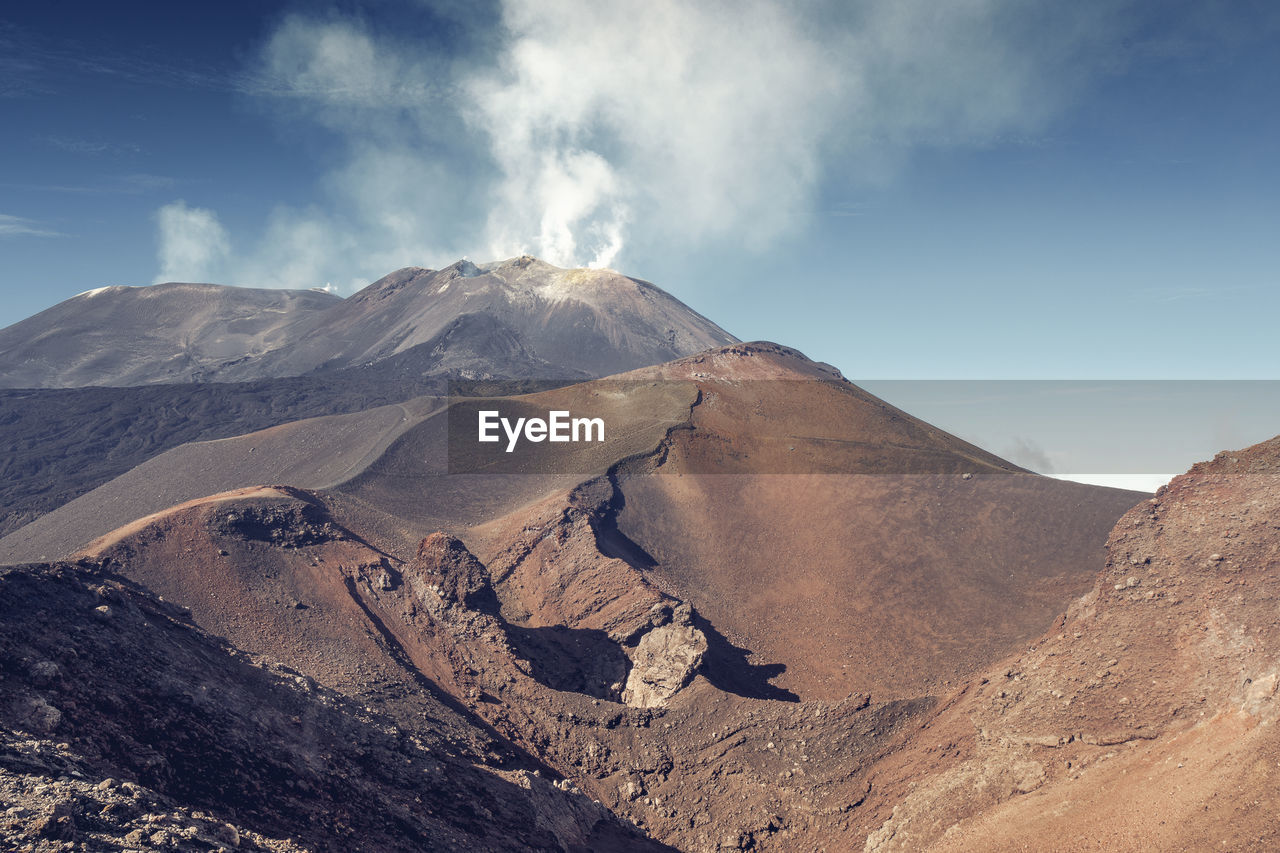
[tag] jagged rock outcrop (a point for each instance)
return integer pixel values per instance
(445, 568)
(665, 659)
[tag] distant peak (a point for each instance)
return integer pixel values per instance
(464, 268)
(520, 263)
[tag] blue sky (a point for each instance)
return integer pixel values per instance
(985, 189)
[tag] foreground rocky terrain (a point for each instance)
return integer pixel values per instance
(550, 608)
(123, 726)
(768, 611)
(1141, 719)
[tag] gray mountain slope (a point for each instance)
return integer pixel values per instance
(140, 335)
(310, 453)
(560, 323)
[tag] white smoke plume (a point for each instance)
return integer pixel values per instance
(593, 133)
(193, 243)
(695, 119)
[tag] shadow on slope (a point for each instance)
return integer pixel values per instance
(579, 660)
(727, 668)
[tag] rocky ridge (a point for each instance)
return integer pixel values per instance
(1144, 718)
(610, 691)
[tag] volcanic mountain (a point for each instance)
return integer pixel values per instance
(515, 318)
(579, 322)
(1140, 718)
(745, 598)
(767, 611)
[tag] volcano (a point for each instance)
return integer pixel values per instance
(767, 611)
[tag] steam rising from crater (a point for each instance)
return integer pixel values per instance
(602, 133)
(685, 120)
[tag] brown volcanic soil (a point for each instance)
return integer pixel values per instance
(890, 584)
(271, 570)
(1145, 718)
(842, 539)
(267, 568)
(712, 697)
(412, 482)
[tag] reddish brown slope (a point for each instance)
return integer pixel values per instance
(849, 546)
(666, 688)
(586, 665)
(411, 490)
(269, 570)
(1145, 718)
(861, 548)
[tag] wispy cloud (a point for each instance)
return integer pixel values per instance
(18, 226)
(337, 65)
(133, 184)
(32, 64)
(73, 145)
